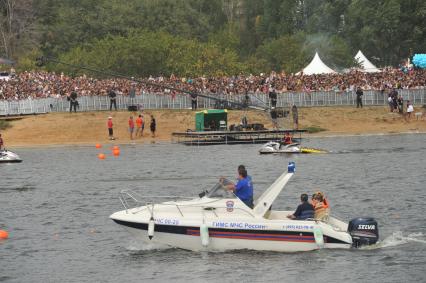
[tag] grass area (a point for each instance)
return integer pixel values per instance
(314, 129)
(4, 124)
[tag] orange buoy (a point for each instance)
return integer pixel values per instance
(98, 145)
(115, 147)
(3, 235)
(116, 152)
(101, 156)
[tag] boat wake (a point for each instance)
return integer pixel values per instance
(397, 239)
(138, 246)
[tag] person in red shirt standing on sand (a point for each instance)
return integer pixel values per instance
(110, 130)
(131, 127)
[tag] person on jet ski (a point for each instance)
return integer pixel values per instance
(287, 139)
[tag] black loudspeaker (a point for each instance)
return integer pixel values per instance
(132, 108)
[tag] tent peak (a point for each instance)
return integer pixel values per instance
(317, 66)
(366, 65)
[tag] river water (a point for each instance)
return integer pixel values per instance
(55, 206)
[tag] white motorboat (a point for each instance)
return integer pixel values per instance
(219, 221)
(7, 156)
(276, 147)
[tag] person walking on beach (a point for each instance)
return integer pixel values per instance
(359, 94)
(400, 104)
(273, 96)
(193, 101)
(73, 100)
(410, 109)
(143, 124)
(153, 126)
(1, 144)
(139, 123)
(112, 99)
(131, 126)
(295, 114)
(110, 130)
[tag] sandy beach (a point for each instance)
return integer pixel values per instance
(90, 127)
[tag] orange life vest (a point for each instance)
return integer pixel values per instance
(325, 203)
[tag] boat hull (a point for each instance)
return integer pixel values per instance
(228, 239)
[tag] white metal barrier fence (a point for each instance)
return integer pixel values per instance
(165, 101)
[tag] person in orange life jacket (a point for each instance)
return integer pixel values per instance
(321, 209)
(287, 139)
(324, 199)
(305, 210)
(139, 123)
(243, 189)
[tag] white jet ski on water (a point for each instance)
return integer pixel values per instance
(219, 221)
(7, 156)
(277, 147)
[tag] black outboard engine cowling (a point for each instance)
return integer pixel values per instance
(364, 231)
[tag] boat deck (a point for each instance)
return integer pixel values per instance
(233, 137)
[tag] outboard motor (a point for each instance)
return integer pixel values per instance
(364, 231)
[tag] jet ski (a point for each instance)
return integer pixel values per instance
(7, 156)
(276, 147)
(219, 221)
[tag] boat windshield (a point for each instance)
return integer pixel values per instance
(219, 190)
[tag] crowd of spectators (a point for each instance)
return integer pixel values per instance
(48, 84)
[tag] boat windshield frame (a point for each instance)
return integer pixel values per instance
(220, 191)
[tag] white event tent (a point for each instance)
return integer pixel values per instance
(365, 64)
(317, 66)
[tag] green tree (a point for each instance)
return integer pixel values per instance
(285, 53)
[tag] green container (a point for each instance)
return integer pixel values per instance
(211, 120)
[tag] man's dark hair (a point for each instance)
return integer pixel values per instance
(242, 168)
(304, 197)
(243, 173)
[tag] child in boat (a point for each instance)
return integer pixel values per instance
(321, 207)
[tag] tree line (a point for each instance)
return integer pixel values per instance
(209, 37)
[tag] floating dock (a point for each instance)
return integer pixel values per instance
(233, 137)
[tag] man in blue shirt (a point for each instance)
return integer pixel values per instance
(244, 187)
(305, 210)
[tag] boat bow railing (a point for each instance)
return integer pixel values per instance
(126, 195)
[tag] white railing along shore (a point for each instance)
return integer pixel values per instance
(166, 101)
